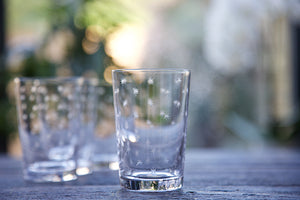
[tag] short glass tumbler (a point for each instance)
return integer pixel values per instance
(151, 110)
(88, 104)
(48, 123)
(97, 148)
(104, 142)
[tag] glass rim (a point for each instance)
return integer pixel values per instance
(38, 80)
(154, 70)
(95, 82)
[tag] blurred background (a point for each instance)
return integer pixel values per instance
(244, 56)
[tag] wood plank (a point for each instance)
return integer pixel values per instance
(209, 174)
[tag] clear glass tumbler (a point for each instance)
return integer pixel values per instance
(88, 116)
(48, 127)
(104, 142)
(151, 109)
(97, 148)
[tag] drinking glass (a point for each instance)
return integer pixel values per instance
(48, 120)
(151, 110)
(88, 116)
(104, 142)
(97, 148)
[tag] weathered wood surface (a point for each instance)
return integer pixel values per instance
(209, 174)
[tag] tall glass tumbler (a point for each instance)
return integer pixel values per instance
(48, 122)
(151, 110)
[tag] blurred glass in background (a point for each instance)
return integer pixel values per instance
(244, 57)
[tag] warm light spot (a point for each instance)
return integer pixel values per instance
(56, 48)
(132, 138)
(126, 46)
(114, 166)
(89, 47)
(82, 171)
(68, 177)
(93, 33)
(107, 73)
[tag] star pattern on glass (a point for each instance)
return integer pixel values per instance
(178, 80)
(32, 115)
(135, 115)
(33, 89)
(164, 91)
(24, 116)
(135, 91)
(42, 90)
(150, 102)
(176, 172)
(22, 89)
(176, 103)
(123, 81)
(47, 98)
(139, 163)
(31, 97)
(23, 106)
(116, 91)
(185, 91)
(125, 103)
(70, 97)
(60, 89)
(22, 97)
(61, 107)
(150, 81)
(54, 98)
(36, 82)
(166, 116)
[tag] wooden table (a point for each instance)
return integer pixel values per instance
(209, 174)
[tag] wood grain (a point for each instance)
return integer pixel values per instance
(209, 174)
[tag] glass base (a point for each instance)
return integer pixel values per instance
(151, 184)
(50, 171)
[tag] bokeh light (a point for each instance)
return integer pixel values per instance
(89, 47)
(107, 73)
(126, 46)
(93, 33)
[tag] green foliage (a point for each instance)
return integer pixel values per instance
(106, 14)
(36, 67)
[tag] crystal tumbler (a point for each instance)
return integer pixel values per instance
(88, 117)
(97, 148)
(104, 142)
(48, 119)
(151, 110)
